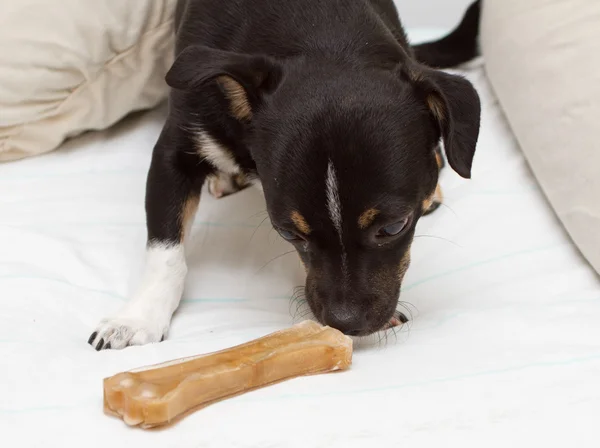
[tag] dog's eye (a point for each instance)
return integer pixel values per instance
(287, 235)
(393, 229)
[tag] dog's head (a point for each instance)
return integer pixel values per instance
(347, 160)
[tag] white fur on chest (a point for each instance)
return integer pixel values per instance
(216, 154)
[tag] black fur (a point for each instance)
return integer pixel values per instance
(456, 48)
(330, 81)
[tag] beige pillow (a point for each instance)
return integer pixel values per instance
(543, 61)
(68, 66)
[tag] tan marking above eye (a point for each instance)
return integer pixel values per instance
(238, 100)
(300, 222)
(367, 218)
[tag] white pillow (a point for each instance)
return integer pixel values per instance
(69, 66)
(543, 60)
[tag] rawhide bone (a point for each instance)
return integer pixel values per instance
(157, 395)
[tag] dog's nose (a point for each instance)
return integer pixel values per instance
(347, 321)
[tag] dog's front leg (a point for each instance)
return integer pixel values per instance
(172, 193)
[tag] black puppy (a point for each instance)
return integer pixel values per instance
(326, 105)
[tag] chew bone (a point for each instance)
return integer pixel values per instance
(156, 395)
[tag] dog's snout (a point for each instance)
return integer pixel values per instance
(348, 321)
(359, 304)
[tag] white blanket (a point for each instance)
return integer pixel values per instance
(503, 346)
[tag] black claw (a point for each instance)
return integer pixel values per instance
(92, 337)
(401, 317)
(107, 346)
(100, 344)
(163, 338)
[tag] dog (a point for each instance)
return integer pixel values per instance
(327, 108)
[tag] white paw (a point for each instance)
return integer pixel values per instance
(119, 333)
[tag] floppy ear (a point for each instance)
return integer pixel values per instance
(455, 105)
(243, 79)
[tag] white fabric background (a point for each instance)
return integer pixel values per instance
(503, 346)
(442, 14)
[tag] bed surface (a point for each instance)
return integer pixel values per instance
(503, 345)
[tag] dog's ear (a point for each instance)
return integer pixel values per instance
(456, 108)
(244, 79)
